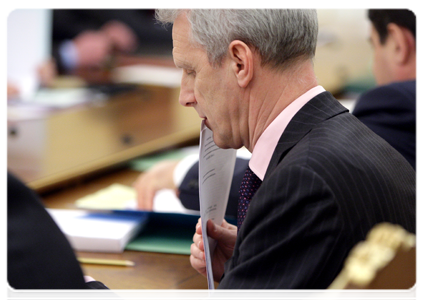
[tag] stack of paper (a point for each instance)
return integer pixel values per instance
(97, 232)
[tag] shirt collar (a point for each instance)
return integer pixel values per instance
(266, 144)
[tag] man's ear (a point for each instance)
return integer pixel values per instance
(403, 43)
(241, 62)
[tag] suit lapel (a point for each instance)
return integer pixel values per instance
(322, 107)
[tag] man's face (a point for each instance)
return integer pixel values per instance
(381, 59)
(210, 90)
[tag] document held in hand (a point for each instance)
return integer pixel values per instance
(216, 168)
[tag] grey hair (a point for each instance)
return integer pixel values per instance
(280, 36)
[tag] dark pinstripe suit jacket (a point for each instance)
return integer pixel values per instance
(330, 180)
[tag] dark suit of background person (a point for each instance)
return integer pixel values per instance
(152, 38)
(390, 111)
(188, 189)
(38, 254)
(330, 180)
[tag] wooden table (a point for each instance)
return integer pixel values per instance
(118, 121)
(151, 270)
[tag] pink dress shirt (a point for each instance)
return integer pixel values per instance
(266, 144)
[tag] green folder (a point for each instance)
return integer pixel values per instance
(144, 163)
(166, 233)
(163, 240)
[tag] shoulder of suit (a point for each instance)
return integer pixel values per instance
(404, 89)
(395, 95)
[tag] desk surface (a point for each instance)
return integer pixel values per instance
(151, 270)
(117, 123)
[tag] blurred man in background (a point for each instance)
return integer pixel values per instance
(390, 109)
(84, 38)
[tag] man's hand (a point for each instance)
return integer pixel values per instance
(225, 235)
(147, 184)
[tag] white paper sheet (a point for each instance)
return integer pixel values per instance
(215, 178)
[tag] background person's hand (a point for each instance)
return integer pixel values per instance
(93, 47)
(12, 90)
(88, 278)
(150, 182)
(123, 38)
(225, 235)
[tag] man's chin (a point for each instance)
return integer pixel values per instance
(220, 143)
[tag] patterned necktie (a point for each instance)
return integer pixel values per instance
(249, 185)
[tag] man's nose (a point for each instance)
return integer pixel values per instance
(184, 98)
(186, 95)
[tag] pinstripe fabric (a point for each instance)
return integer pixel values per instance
(330, 180)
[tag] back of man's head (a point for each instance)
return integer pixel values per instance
(281, 36)
(380, 19)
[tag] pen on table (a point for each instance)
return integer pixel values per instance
(100, 261)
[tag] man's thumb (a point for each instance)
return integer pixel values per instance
(215, 231)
